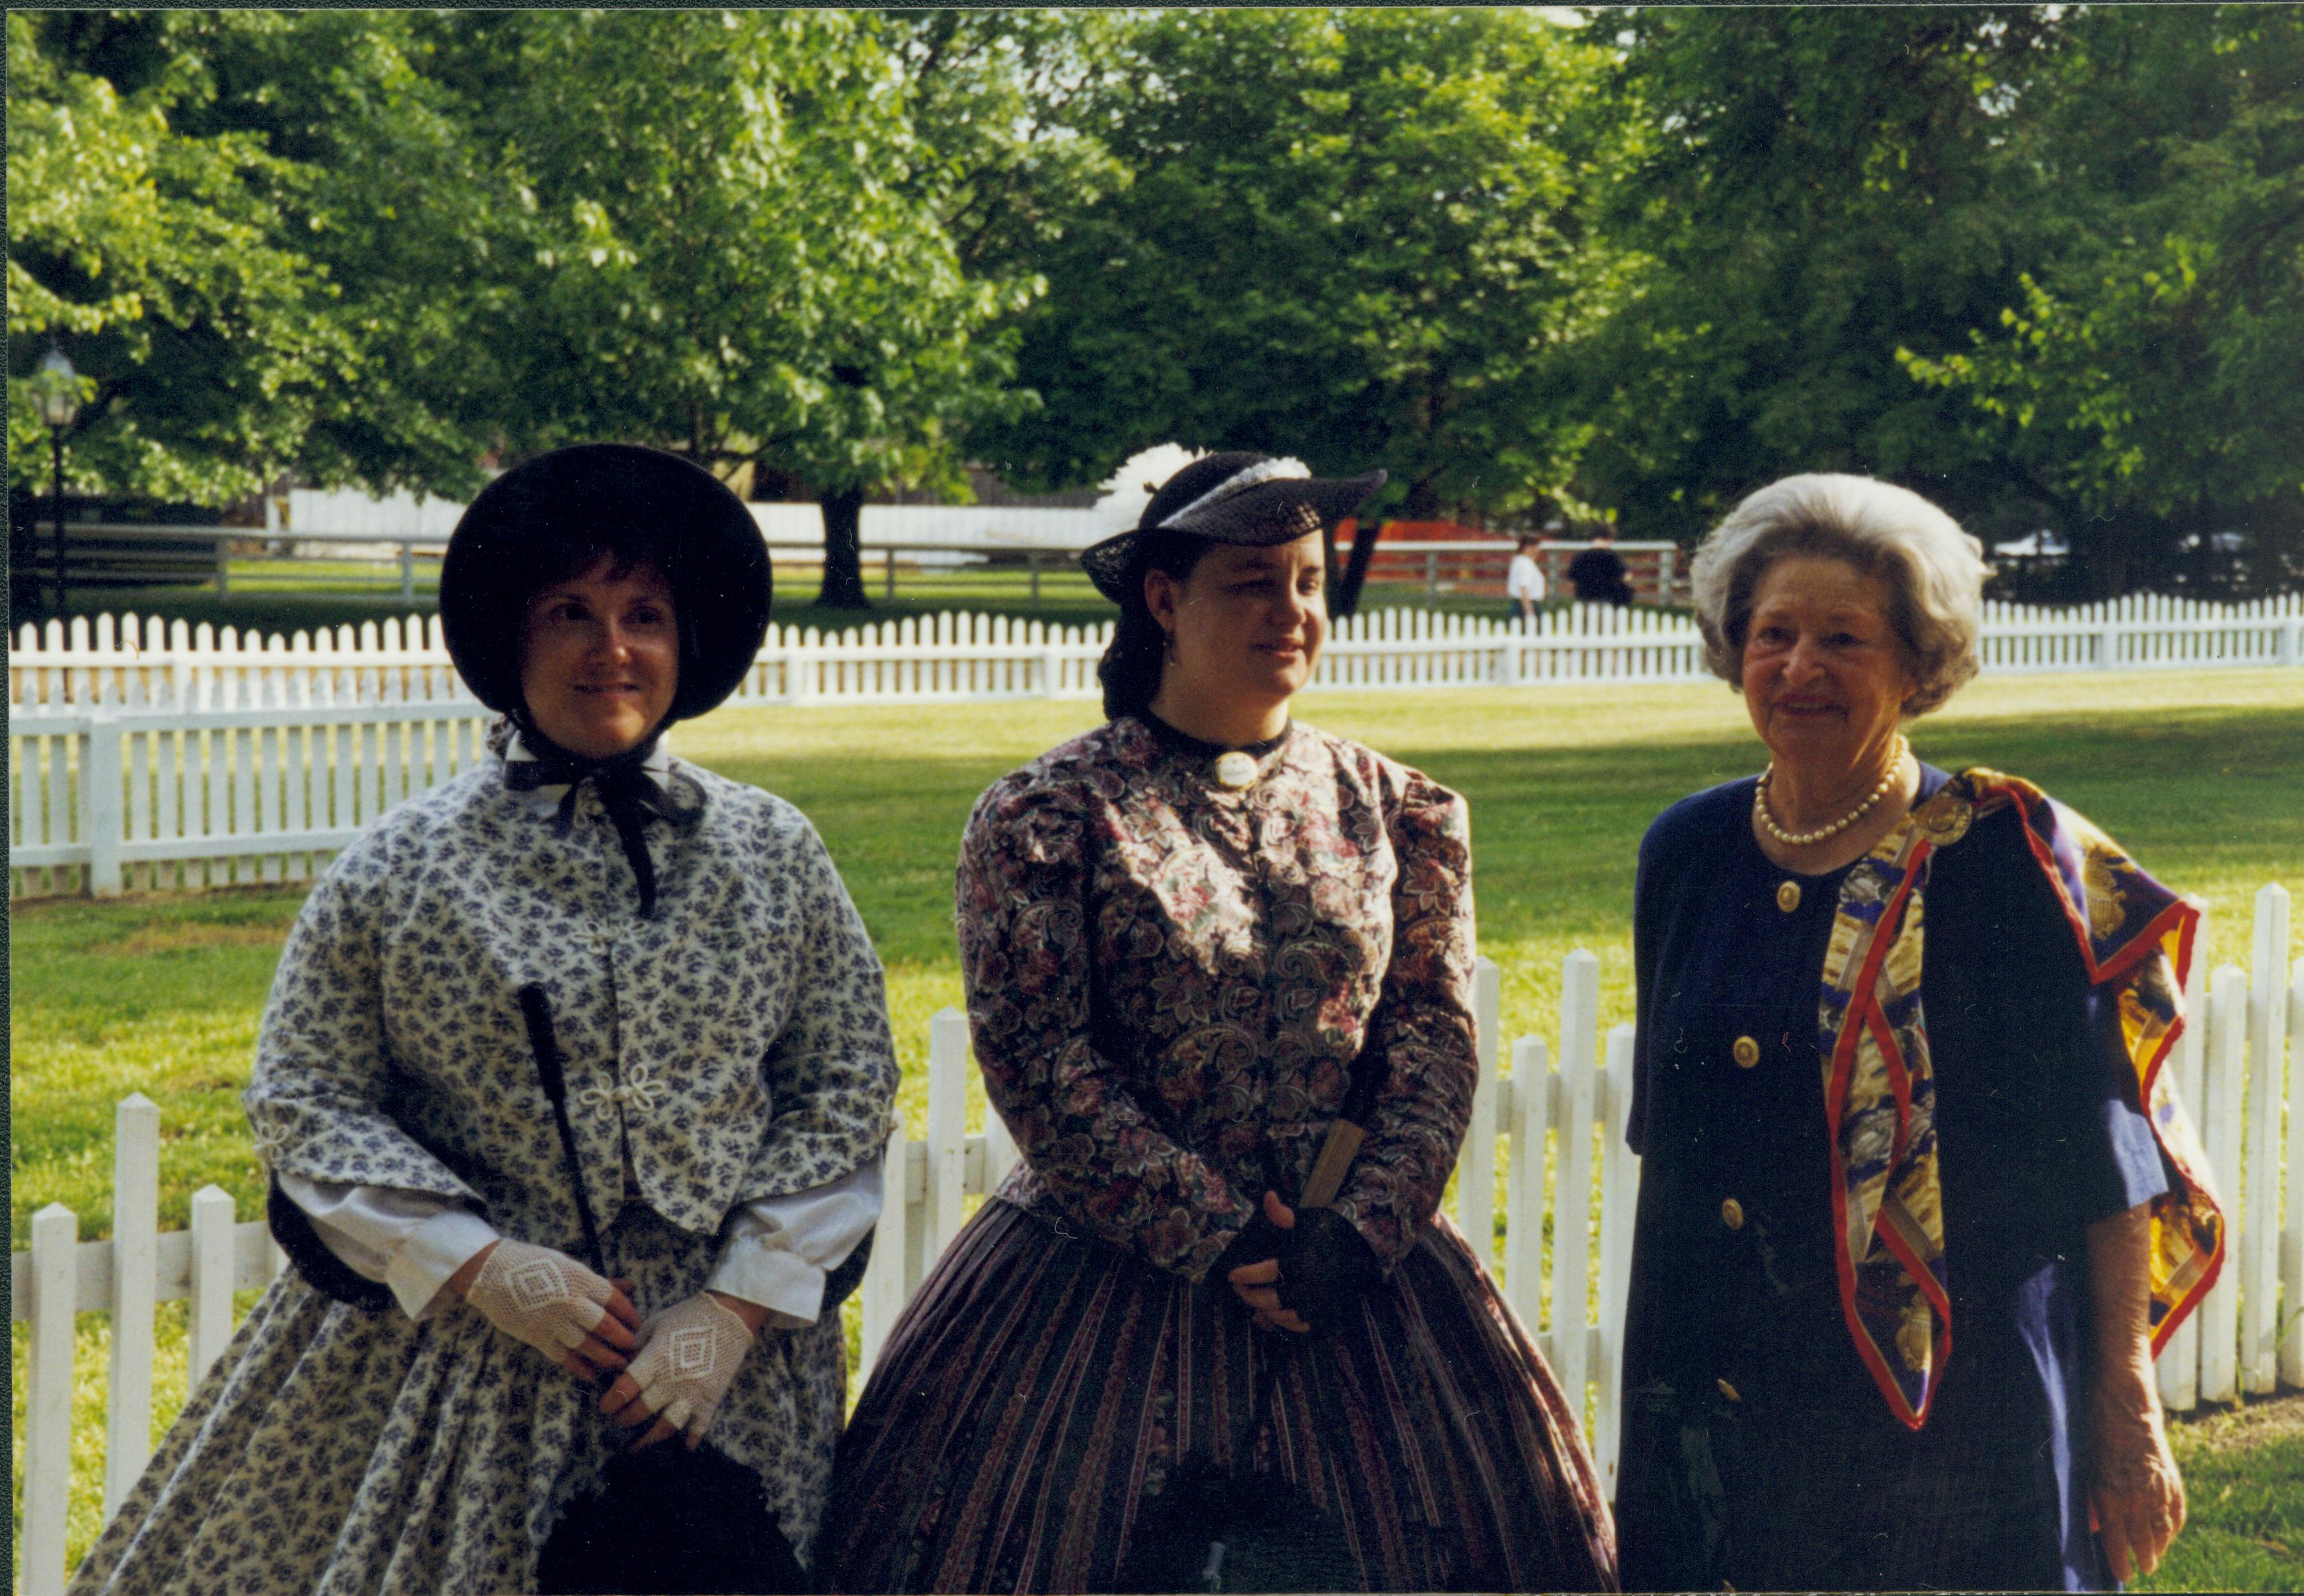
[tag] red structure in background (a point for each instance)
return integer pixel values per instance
(1444, 557)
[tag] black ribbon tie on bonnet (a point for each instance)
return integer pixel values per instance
(628, 793)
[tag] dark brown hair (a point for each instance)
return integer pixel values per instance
(1130, 668)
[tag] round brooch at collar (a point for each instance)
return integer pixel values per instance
(1235, 769)
(1945, 818)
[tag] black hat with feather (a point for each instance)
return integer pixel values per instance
(1239, 497)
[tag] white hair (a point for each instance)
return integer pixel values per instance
(1935, 573)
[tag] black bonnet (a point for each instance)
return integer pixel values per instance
(610, 497)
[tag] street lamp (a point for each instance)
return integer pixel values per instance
(55, 394)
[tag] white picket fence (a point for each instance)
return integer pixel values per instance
(1550, 1126)
(108, 799)
(148, 754)
(138, 664)
(402, 518)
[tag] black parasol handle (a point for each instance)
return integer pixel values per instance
(535, 1009)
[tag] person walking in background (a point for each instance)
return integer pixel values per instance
(1213, 1332)
(573, 1087)
(1915, 1210)
(1597, 575)
(1524, 582)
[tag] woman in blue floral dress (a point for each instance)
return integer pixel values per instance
(512, 1299)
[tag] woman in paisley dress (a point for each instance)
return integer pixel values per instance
(512, 1298)
(1917, 1206)
(1172, 1351)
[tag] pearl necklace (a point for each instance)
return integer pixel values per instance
(1803, 838)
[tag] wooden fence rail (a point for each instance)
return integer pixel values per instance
(109, 799)
(1549, 1131)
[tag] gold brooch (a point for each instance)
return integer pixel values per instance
(1946, 818)
(1234, 770)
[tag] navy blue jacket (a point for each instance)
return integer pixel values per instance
(1756, 1448)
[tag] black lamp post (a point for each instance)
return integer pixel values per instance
(55, 393)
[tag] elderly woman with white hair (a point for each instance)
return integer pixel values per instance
(1917, 1206)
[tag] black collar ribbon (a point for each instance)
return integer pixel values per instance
(628, 793)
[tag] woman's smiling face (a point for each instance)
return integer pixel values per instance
(599, 659)
(1825, 675)
(1247, 621)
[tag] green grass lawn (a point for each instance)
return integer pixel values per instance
(2200, 774)
(2244, 1490)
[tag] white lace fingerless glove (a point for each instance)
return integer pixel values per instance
(689, 1354)
(538, 1295)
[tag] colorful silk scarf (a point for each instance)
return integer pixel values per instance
(2135, 936)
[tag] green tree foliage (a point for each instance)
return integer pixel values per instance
(2145, 381)
(1820, 189)
(396, 206)
(731, 245)
(1352, 236)
(376, 246)
(2045, 264)
(209, 344)
(997, 101)
(240, 225)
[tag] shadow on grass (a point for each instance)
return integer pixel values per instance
(264, 613)
(288, 610)
(1066, 600)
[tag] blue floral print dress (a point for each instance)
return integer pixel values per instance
(733, 1046)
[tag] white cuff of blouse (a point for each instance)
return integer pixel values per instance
(779, 1249)
(777, 1252)
(411, 1241)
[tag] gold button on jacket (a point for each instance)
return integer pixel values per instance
(1788, 897)
(1746, 1052)
(1732, 1213)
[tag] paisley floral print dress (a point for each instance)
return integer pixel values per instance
(1169, 981)
(732, 1046)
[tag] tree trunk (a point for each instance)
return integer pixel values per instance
(844, 549)
(1423, 500)
(1347, 600)
(2102, 550)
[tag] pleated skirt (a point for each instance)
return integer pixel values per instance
(1043, 1390)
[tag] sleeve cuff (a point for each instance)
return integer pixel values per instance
(419, 1271)
(788, 1286)
(779, 1251)
(2134, 1174)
